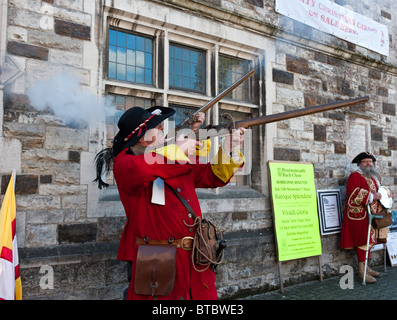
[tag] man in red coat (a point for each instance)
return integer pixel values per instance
(362, 190)
(144, 169)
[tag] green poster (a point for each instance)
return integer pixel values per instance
(294, 199)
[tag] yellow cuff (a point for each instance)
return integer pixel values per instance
(172, 152)
(205, 149)
(224, 167)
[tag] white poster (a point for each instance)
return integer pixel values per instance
(392, 248)
(334, 19)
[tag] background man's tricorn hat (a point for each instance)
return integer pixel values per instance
(133, 125)
(363, 155)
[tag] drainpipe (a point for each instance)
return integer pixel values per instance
(3, 48)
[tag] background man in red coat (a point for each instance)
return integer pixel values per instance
(362, 190)
(144, 169)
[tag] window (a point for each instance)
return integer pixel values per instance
(181, 113)
(130, 57)
(230, 70)
(196, 68)
(187, 68)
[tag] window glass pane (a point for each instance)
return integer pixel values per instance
(148, 76)
(148, 61)
(130, 57)
(113, 53)
(121, 39)
(120, 72)
(131, 41)
(148, 45)
(130, 74)
(230, 70)
(121, 55)
(140, 75)
(140, 59)
(187, 68)
(140, 43)
(112, 70)
(112, 37)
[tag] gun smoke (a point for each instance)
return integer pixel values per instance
(67, 99)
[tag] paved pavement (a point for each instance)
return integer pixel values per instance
(330, 289)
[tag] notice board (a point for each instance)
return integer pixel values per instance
(294, 200)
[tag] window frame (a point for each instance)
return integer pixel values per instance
(160, 91)
(153, 53)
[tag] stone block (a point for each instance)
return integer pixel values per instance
(286, 154)
(73, 30)
(24, 184)
(290, 97)
(110, 228)
(376, 133)
(40, 234)
(392, 143)
(297, 64)
(320, 132)
(374, 74)
(340, 148)
(283, 77)
(38, 202)
(27, 50)
(62, 138)
(45, 179)
(389, 108)
(53, 40)
(382, 91)
(77, 233)
(385, 14)
(13, 158)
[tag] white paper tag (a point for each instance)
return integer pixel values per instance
(158, 196)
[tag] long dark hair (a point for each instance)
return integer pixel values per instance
(104, 161)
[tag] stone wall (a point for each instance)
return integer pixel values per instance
(66, 226)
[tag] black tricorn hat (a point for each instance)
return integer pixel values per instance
(134, 123)
(363, 155)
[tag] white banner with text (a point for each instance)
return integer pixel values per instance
(334, 19)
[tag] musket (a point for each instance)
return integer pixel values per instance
(188, 121)
(247, 123)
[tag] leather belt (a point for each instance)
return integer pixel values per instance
(185, 243)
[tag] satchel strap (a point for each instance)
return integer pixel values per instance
(185, 203)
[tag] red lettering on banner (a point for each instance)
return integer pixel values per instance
(309, 2)
(347, 29)
(313, 13)
(329, 21)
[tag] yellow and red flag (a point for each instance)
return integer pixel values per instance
(10, 280)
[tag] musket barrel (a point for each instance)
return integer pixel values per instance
(298, 113)
(217, 130)
(211, 103)
(225, 92)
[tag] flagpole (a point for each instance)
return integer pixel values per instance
(14, 176)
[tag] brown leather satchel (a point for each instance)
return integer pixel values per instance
(155, 270)
(204, 244)
(204, 252)
(385, 221)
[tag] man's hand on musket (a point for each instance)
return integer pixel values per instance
(186, 145)
(233, 140)
(198, 120)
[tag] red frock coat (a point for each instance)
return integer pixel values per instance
(355, 217)
(134, 180)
